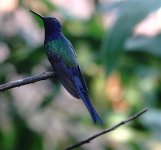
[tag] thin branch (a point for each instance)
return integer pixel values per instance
(107, 130)
(36, 78)
(48, 75)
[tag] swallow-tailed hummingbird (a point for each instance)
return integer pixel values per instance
(62, 57)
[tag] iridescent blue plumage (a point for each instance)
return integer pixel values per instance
(62, 57)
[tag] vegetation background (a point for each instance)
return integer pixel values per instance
(118, 45)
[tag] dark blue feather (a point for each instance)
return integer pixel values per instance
(63, 74)
(83, 93)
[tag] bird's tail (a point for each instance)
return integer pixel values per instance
(95, 117)
(84, 96)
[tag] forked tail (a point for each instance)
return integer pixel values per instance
(95, 117)
(84, 96)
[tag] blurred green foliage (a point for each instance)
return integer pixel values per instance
(106, 55)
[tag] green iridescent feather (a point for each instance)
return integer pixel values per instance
(63, 50)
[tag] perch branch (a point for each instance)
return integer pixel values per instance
(48, 75)
(107, 130)
(36, 78)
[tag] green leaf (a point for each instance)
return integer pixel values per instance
(150, 45)
(130, 12)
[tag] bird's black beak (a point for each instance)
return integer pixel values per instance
(37, 14)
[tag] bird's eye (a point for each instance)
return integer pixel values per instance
(51, 20)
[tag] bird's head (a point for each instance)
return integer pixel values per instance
(51, 24)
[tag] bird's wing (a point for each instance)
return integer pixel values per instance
(72, 49)
(83, 84)
(63, 74)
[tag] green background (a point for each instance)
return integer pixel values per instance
(120, 64)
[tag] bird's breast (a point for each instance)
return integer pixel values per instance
(61, 50)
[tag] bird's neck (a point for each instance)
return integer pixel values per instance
(51, 37)
(52, 31)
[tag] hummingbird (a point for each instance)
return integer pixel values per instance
(62, 57)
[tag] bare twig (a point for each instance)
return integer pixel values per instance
(107, 130)
(48, 75)
(36, 78)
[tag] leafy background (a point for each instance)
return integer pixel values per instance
(118, 48)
